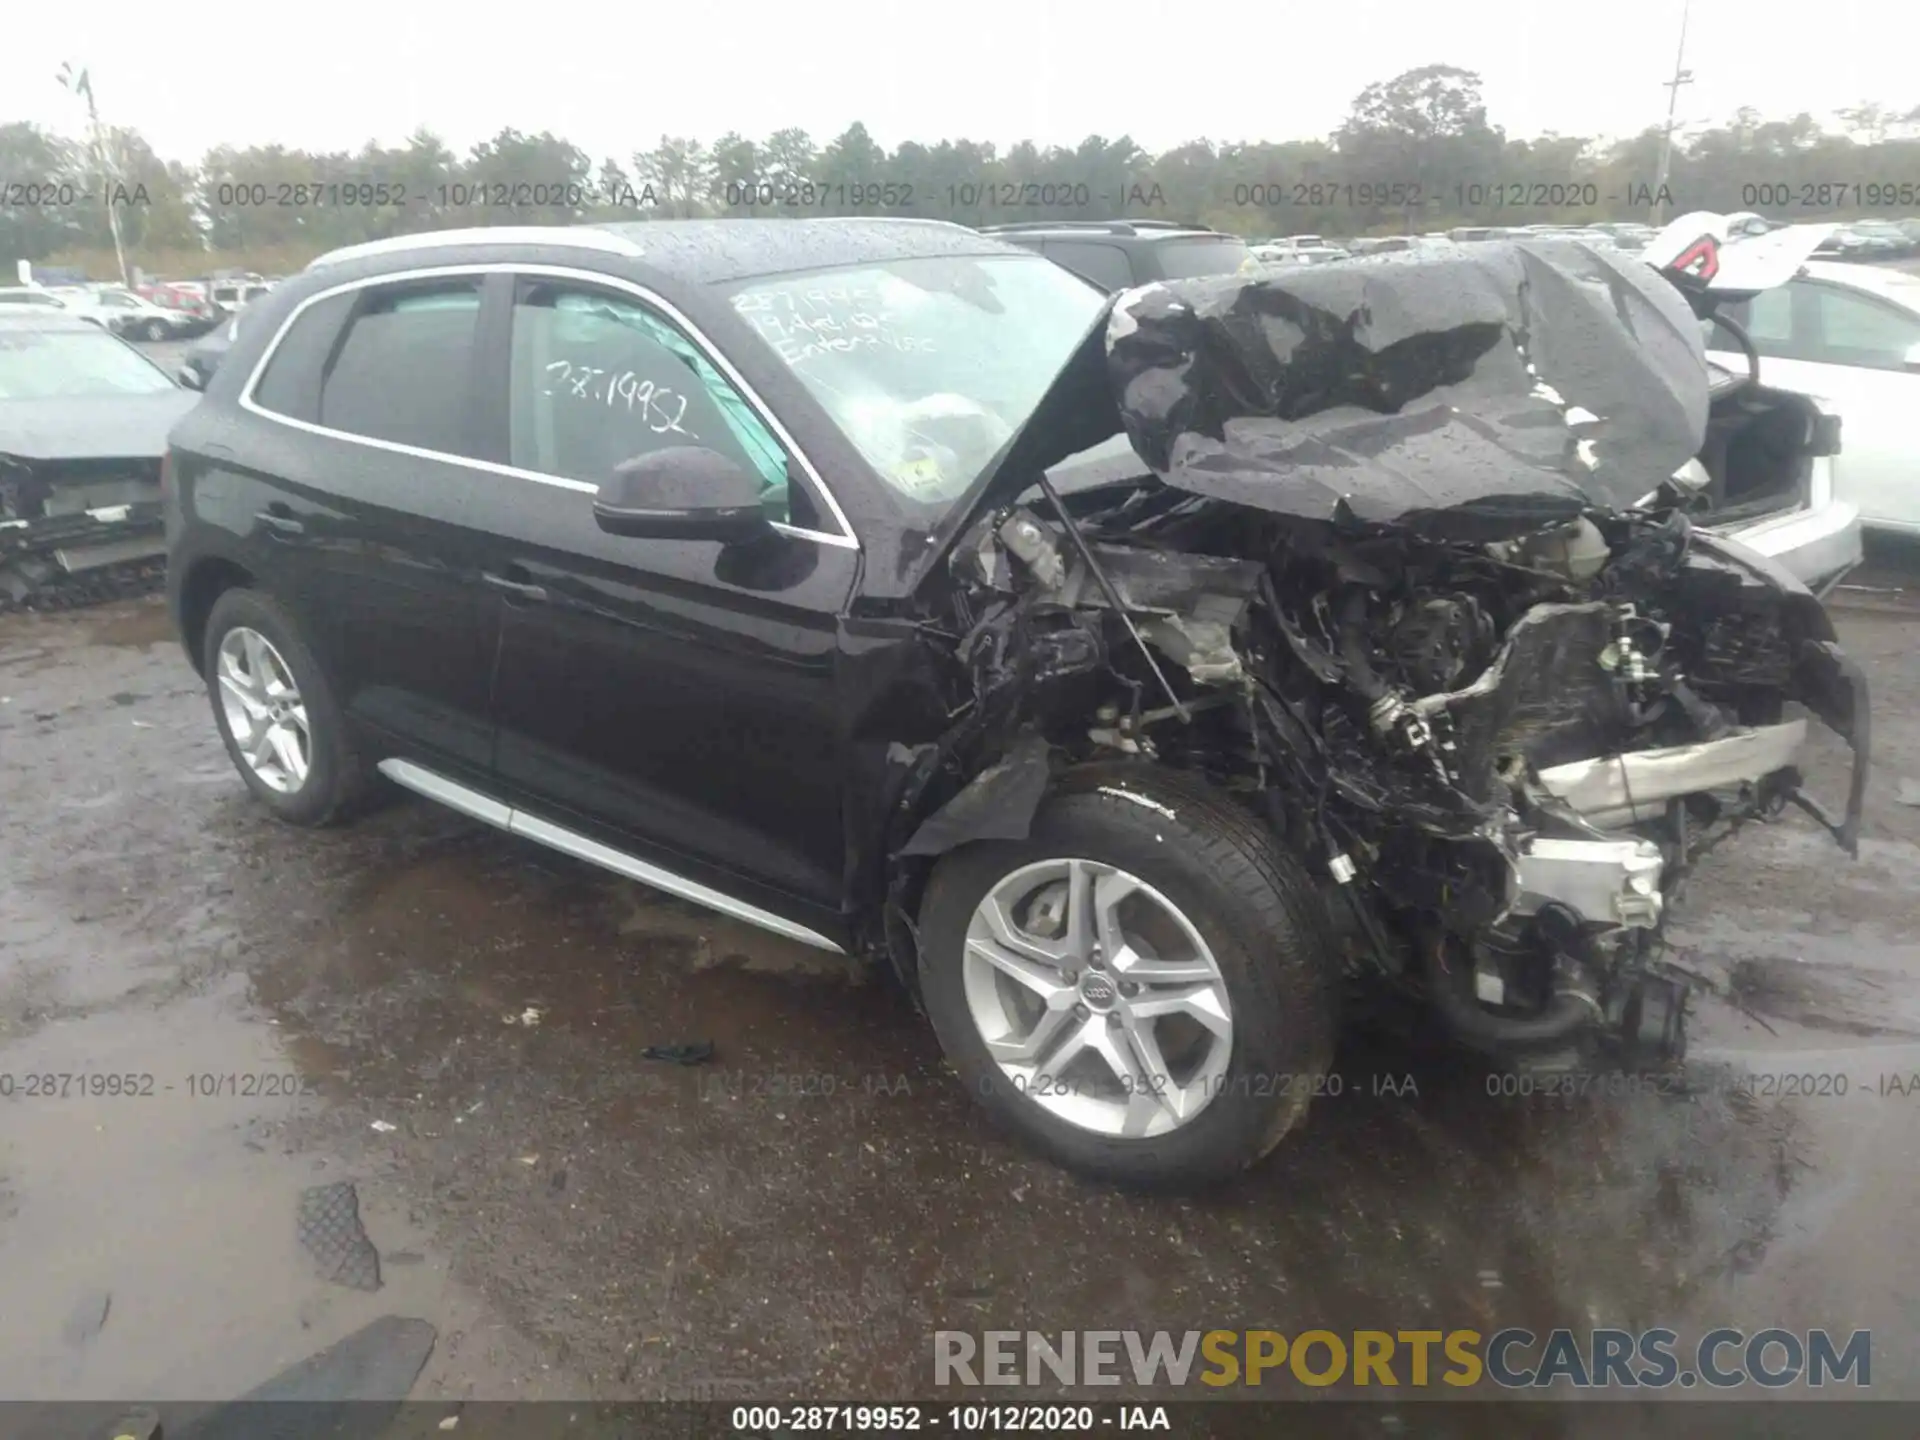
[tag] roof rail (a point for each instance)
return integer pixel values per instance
(1100, 227)
(578, 237)
(891, 220)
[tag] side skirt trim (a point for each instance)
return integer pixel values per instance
(484, 808)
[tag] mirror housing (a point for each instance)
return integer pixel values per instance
(190, 377)
(684, 492)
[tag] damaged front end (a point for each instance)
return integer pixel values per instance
(84, 420)
(78, 531)
(1393, 581)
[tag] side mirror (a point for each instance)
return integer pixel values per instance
(190, 377)
(684, 492)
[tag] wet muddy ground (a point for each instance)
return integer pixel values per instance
(453, 1020)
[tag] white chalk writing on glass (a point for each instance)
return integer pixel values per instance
(829, 320)
(661, 407)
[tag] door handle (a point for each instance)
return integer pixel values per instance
(278, 519)
(521, 588)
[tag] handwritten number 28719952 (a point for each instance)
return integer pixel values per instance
(663, 408)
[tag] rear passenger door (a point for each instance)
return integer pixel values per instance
(366, 514)
(673, 698)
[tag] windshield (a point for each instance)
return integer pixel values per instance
(73, 365)
(928, 365)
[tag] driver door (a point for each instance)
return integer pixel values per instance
(674, 699)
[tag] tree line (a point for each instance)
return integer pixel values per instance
(1415, 153)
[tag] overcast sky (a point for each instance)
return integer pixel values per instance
(613, 80)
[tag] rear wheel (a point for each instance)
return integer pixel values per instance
(154, 330)
(277, 713)
(1142, 989)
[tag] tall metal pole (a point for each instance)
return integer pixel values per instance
(81, 84)
(1681, 76)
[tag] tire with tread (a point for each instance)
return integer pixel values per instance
(1261, 916)
(337, 785)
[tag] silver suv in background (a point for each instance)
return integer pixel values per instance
(1120, 254)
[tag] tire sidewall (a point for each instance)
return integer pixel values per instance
(1282, 1036)
(321, 792)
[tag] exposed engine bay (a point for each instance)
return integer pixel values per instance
(1410, 568)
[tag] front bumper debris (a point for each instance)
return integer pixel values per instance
(1635, 788)
(1607, 882)
(78, 535)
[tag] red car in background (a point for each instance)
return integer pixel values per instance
(189, 299)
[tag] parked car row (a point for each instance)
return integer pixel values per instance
(156, 310)
(1873, 240)
(111, 307)
(1317, 249)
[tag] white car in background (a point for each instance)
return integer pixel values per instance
(109, 306)
(1777, 444)
(1849, 336)
(29, 297)
(134, 317)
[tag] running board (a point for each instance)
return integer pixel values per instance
(485, 808)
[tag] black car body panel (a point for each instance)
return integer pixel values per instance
(206, 353)
(1380, 570)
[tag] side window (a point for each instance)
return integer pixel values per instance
(402, 372)
(1857, 329)
(1768, 320)
(1105, 265)
(290, 385)
(599, 378)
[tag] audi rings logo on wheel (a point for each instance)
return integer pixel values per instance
(1098, 991)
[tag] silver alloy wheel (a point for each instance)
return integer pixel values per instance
(1097, 998)
(265, 714)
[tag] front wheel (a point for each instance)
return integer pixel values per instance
(1143, 989)
(155, 330)
(276, 712)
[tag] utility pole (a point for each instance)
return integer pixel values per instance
(81, 84)
(1681, 76)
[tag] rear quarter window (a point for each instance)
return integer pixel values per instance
(403, 372)
(290, 385)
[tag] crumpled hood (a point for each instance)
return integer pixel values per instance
(117, 427)
(1473, 394)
